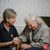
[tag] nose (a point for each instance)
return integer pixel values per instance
(30, 27)
(15, 20)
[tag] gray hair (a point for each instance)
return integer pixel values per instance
(9, 13)
(34, 17)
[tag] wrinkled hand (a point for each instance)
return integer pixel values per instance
(16, 40)
(25, 46)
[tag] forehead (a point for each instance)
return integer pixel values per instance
(29, 23)
(12, 17)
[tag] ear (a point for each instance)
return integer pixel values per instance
(36, 20)
(7, 19)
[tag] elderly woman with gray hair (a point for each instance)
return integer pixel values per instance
(35, 34)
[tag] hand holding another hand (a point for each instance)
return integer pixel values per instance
(15, 40)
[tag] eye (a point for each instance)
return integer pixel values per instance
(29, 25)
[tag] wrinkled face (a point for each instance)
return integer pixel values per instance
(11, 20)
(32, 25)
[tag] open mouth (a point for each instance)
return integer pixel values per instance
(13, 22)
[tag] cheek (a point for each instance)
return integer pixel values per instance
(11, 20)
(33, 25)
(14, 20)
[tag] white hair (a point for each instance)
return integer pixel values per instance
(39, 20)
(34, 17)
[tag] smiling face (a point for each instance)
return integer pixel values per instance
(11, 20)
(32, 25)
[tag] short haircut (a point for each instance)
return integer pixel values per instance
(9, 13)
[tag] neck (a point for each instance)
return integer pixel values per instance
(37, 25)
(6, 24)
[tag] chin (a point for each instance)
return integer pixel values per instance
(33, 28)
(12, 24)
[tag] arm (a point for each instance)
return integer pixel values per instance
(2, 44)
(22, 36)
(15, 41)
(5, 43)
(23, 31)
(43, 39)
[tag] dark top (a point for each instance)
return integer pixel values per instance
(5, 35)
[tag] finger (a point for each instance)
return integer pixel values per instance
(22, 49)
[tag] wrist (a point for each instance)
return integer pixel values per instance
(30, 45)
(6, 43)
(12, 42)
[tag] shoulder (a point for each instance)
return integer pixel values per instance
(13, 27)
(44, 30)
(44, 27)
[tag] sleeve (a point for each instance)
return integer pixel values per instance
(38, 44)
(23, 37)
(15, 33)
(43, 39)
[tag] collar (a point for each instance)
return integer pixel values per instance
(2, 26)
(37, 28)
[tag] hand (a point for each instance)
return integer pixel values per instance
(25, 46)
(16, 40)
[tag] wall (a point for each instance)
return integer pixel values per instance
(25, 7)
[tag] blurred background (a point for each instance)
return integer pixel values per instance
(24, 7)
